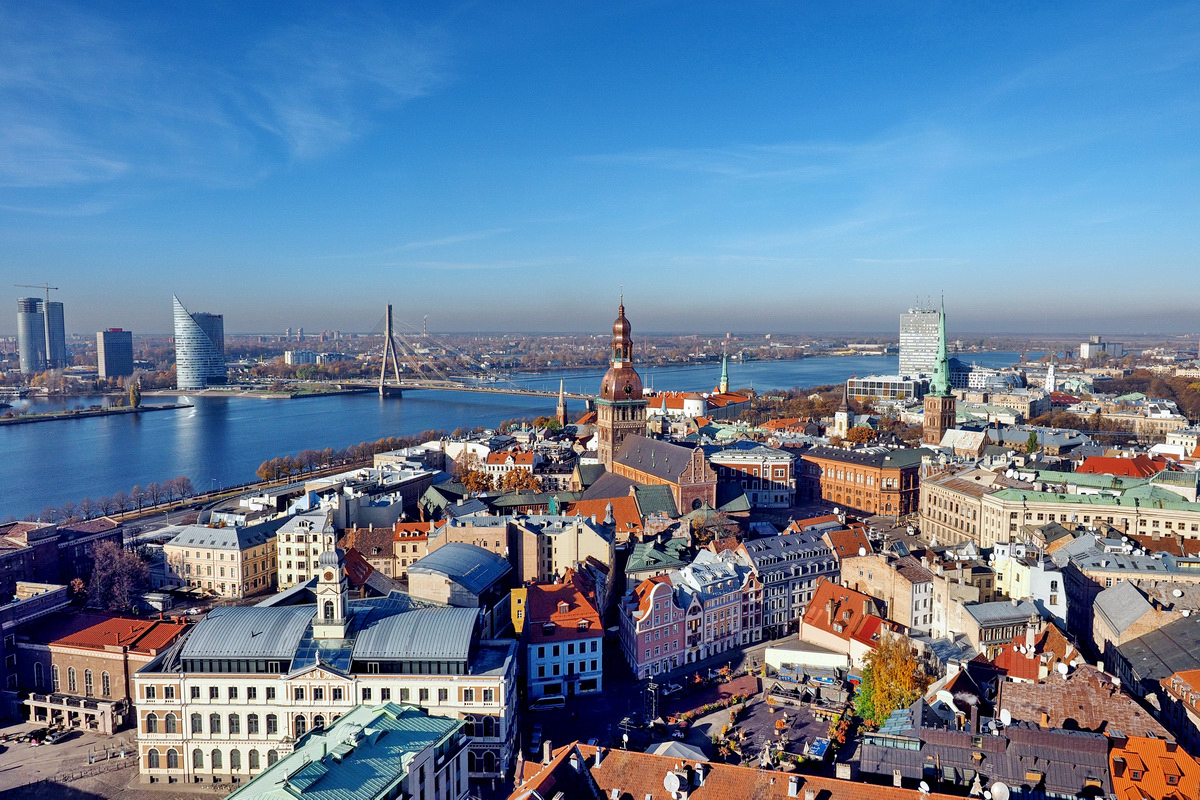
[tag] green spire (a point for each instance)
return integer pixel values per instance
(939, 384)
(724, 387)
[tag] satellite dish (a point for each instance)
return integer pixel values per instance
(987, 794)
(1062, 669)
(862, 551)
(836, 510)
(671, 782)
(924, 787)
(1187, 612)
(1005, 717)
(1177, 592)
(999, 791)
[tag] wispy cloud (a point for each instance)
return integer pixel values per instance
(444, 266)
(89, 101)
(459, 238)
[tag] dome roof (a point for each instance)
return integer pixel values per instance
(621, 327)
(621, 383)
(331, 559)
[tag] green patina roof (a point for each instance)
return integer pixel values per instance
(1141, 497)
(652, 555)
(362, 756)
(655, 500)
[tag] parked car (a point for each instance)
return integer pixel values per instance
(671, 688)
(56, 737)
(548, 703)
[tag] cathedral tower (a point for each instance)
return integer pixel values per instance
(941, 413)
(620, 408)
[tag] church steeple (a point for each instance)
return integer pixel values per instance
(941, 413)
(939, 384)
(561, 410)
(724, 386)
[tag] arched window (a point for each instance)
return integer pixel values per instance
(72, 681)
(152, 759)
(469, 725)
(489, 726)
(301, 725)
(235, 760)
(235, 723)
(106, 686)
(152, 723)
(214, 723)
(328, 609)
(319, 721)
(254, 764)
(252, 724)
(272, 757)
(172, 723)
(197, 723)
(489, 762)
(216, 759)
(38, 675)
(54, 676)
(471, 765)
(89, 687)
(172, 759)
(272, 724)
(197, 759)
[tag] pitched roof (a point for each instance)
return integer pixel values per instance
(1121, 606)
(655, 500)
(874, 457)
(625, 511)
(559, 612)
(848, 542)
(1159, 760)
(1086, 699)
(844, 613)
(1050, 647)
(663, 460)
(249, 632)
(468, 565)
(1140, 466)
(630, 775)
(138, 635)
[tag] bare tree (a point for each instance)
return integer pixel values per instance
(86, 509)
(118, 577)
(138, 496)
(183, 487)
(154, 492)
(120, 500)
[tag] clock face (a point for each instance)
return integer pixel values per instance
(629, 388)
(328, 577)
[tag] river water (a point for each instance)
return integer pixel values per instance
(221, 441)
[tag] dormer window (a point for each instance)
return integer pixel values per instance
(583, 625)
(563, 607)
(1135, 774)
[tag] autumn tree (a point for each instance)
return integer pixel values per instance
(118, 577)
(135, 394)
(892, 678)
(716, 525)
(860, 434)
(520, 480)
(476, 481)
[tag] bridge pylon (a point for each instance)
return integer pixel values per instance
(389, 347)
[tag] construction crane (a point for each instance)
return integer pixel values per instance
(45, 312)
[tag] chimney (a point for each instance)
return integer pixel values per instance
(897, 778)
(793, 786)
(829, 612)
(546, 752)
(866, 607)
(974, 718)
(599, 758)
(1029, 640)
(810, 794)
(701, 769)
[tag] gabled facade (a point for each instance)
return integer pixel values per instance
(564, 641)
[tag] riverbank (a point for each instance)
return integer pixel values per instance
(88, 412)
(261, 395)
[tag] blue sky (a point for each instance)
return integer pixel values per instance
(507, 166)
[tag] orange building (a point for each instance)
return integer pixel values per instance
(1145, 768)
(872, 481)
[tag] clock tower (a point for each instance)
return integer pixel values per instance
(333, 594)
(620, 408)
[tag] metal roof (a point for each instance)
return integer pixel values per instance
(471, 566)
(1122, 605)
(425, 634)
(1001, 611)
(249, 632)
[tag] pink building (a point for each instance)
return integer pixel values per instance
(652, 628)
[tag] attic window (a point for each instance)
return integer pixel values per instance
(1135, 774)
(563, 607)
(547, 627)
(583, 624)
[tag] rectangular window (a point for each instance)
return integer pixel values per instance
(404, 695)
(195, 692)
(251, 693)
(233, 693)
(337, 693)
(150, 692)
(385, 695)
(366, 695)
(423, 695)
(489, 695)
(443, 695)
(168, 691)
(468, 695)
(214, 692)
(270, 692)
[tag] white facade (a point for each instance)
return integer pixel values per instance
(919, 341)
(299, 545)
(566, 667)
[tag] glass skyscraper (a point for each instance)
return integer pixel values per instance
(919, 341)
(31, 335)
(199, 348)
(56, 337)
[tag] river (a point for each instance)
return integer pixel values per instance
(221, 441)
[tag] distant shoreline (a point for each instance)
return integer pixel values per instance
(54, 416)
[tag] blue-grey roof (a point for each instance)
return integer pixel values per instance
(469, 565)
(1001, 611)
(1122, 605)
(423, 634)
(249, 632)
(228, 538)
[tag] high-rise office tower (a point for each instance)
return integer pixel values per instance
(31, 335)
(199, 348)
(56, 336)
(114, 353)
(919, 341)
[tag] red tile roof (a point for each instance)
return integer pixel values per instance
(630, 775)
(519, 458)
(565, 607)
(1140, 466)
(1086, 699)
(847, 543)
(1157, 761)
(138, 635)
(1050, 643)
(845, 613)
(625, 511)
